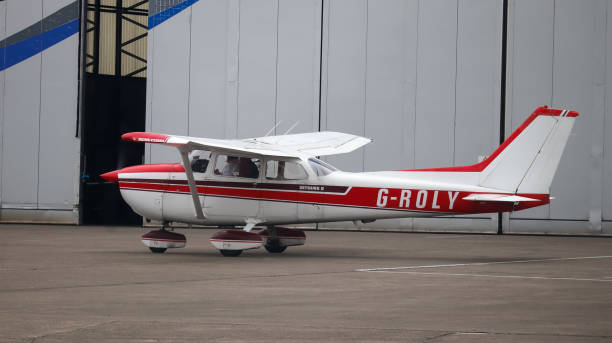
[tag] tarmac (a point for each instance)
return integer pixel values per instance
(100, 284)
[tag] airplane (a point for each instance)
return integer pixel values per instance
(279, 180)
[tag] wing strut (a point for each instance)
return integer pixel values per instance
(192, 185)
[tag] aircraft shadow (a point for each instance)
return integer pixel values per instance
(403, 259)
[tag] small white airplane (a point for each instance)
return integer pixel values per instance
(277, 180)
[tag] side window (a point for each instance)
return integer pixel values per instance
(227, 165)
(284, 170)
(272, 170)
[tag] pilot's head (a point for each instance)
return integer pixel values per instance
(231, 159)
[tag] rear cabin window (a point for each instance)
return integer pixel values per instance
(284, 170)
(227, 165)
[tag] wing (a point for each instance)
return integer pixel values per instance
(316, 143)
(287, 146)
(248, 147)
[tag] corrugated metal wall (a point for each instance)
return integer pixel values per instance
(423, 78)
(557, 55)
(38, 114)
(415, 76)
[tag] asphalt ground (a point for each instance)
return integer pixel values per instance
(100, 284)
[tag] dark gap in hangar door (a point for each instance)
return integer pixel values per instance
(114, 102)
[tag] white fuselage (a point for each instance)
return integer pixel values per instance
(338, 196)
(276, 180)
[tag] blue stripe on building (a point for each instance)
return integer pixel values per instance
(168, 13)
(39, 36)
(32, 41)
(20, 51)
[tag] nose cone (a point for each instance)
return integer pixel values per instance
(112, 176)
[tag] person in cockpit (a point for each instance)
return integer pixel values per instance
(198, 164)
(232, 168)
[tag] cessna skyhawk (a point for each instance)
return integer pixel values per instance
(277, 180)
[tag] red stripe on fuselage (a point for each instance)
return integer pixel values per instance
(365, 197)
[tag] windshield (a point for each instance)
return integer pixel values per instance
(321, 168)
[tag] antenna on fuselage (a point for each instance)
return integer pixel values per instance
(272, 129)
(292, 127)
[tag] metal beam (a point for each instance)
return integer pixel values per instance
(118, 37)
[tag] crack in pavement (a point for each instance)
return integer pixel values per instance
(68, 331)
(436, 337)
(524, 334)
(438, 334)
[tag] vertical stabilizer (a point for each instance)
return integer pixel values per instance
(527, 161)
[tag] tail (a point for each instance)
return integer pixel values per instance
(527, 161)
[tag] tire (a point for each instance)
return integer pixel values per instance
(275, 248)
(158, 250)
(230, 253)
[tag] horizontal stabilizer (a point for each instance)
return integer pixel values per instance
(497, 197)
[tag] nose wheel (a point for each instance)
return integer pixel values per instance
(277, 239)
(274, 246)
(231, 243)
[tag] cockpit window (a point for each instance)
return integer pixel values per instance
(199, 160)
(321, 168)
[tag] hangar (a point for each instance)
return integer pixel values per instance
(434, 83)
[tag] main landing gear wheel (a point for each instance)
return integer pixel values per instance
(232, 242)
(159, 241)
(230, 253)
